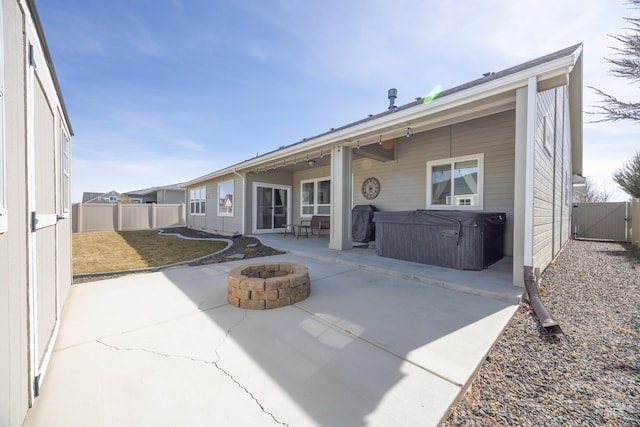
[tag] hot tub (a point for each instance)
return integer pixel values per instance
(453, 239)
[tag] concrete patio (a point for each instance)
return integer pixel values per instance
(378, 342)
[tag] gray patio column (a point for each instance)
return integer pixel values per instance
(340, 237)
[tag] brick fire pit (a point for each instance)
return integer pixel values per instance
(270, 285)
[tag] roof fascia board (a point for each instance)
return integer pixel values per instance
(544, 71)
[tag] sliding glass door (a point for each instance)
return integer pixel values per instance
(271, 207)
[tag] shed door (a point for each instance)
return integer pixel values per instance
(43, 256)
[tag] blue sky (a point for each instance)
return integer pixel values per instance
(164, 91)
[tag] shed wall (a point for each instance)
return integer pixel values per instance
(32, 112)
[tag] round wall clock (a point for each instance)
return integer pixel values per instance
(371, 188)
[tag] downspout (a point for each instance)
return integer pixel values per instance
(549, 325)
(244, 205)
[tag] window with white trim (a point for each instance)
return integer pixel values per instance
(225, 198)
(455, 183)
(197, 201)
(315, 197)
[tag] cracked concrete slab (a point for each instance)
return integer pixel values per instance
(165, 349)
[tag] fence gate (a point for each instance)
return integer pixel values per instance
(606, 221)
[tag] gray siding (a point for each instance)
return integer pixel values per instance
(552, 176)
(403, 181)
(170, 196)
(211, 221)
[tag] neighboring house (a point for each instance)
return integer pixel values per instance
(110, 197)
(167, 194)
(515, 135)
(35, 229)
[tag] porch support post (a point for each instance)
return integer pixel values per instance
(340, 236)
(523, 182)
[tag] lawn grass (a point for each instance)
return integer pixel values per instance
(105, 251)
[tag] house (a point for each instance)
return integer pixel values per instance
(514, 136)
(110, 197)
(162, 195)
(35, 229)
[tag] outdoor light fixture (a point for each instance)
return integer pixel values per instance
(311, 163)
(380, 140)
(409, 132)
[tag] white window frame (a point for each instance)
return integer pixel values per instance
(233, 197)
(316, 205)
(479, 196)
(65, 159)
(198, 201)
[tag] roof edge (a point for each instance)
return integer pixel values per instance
(551, 65)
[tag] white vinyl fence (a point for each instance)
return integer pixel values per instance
(126, 217)
(635, 222)
(602, 221)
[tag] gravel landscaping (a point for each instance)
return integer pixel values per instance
(587, 377)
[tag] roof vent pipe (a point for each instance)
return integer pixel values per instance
(392, 95)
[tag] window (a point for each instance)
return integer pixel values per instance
(316, 197)
(225, 198)
(65, 184)
(197, 200)
(113, 199)
(455, 183)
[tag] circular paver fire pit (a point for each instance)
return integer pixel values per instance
(269, 285)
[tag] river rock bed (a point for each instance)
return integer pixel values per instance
(587, 377)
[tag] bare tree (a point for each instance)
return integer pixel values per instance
(590, 192)
(626, 64)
